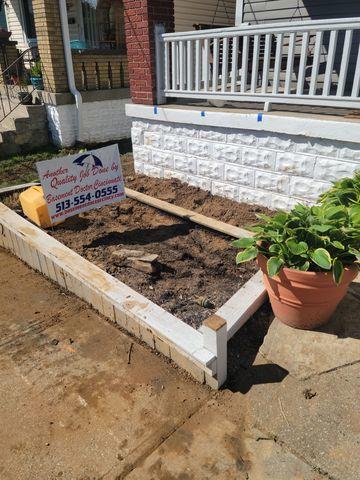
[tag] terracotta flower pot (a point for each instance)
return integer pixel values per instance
(305, 300)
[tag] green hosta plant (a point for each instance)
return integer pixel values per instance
(344, 192)
(324, 237)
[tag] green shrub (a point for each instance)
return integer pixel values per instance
(325, 237)
(344, 192)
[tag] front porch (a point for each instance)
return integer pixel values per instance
(91, 61)
(205, 116)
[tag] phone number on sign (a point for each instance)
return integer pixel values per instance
(79, 200)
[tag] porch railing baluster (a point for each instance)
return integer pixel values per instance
(356, 85)
(245, 64)
(215, 76)
(234, 63)
(330, 62)
(344, 63)
(255, 64)
(266, 64)
(301, 62)
(290, 63)
(225, 64)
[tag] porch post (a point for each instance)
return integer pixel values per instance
(239, 12)
(141, 17)
(50, 44)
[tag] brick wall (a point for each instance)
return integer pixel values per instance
(141, 16)
(51, 49)
(100, 70)
(263, 168)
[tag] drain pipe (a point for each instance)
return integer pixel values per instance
(70, 68)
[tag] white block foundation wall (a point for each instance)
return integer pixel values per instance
(102, 122)
(270, 169)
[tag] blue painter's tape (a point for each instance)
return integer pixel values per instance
(260, 117)
(203, 114)
(155, 110)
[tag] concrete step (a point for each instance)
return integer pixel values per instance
(23, 130)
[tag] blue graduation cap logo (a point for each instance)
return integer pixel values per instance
(88, 159)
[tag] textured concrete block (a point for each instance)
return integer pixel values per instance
(153, 139)
(295, 164)
(213, 135)
(210, 169)
(153, 171)
(199, 148)
(317, 147)
(185, 131)
(271, 181)
(226, 153)
(281, 202)
(239, 175)
(242, 139)
(174, 143)
(254, 197)
(137, 136)
(276, 142)
(185, 163)
(141, 154)
(199, 182)
(138, 166)
(164, 159)
(264, 159)
(225, 190)
(348, 153)
(183, 177)
(160, 128)
(332, 170)
(309, 189)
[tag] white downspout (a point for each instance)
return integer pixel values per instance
(70, 68)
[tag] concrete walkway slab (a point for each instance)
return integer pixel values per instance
(305, 353)
(71, 406)
(317, 419)
(80, 400)
(224, 449)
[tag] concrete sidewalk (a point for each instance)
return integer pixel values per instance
(79, 399)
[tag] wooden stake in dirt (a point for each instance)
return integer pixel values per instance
(129, 354)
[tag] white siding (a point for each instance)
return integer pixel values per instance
(260, 11)
(14, 18)
(208, 12)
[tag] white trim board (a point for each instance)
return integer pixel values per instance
(326, 127)
(187, 347)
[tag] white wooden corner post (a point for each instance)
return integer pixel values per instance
(160, 63)
(239, 12)
(215, 340)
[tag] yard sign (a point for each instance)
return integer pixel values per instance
(78, 183)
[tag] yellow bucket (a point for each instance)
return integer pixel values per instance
(34, 206)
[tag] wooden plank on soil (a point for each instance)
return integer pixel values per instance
(15, 188)
(186, 214)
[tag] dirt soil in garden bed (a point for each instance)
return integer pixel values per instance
(194, 262)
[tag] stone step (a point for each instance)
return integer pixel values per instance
(23, 129)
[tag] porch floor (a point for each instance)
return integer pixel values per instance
(303, 111)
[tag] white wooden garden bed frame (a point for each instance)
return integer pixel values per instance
(203, 353)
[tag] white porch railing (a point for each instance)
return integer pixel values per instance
(309, 63)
